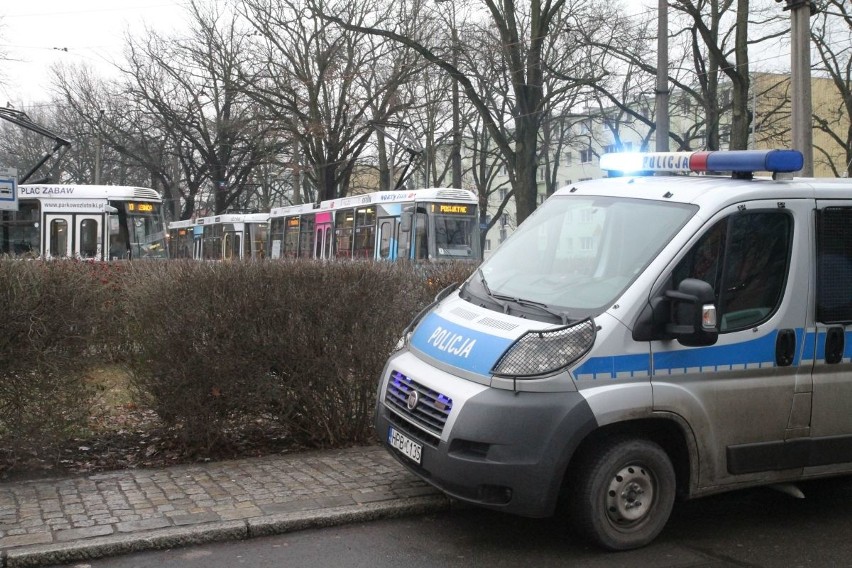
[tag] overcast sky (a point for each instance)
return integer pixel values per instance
(36, 33)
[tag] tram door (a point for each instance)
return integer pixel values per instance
(323, 235)
(79, 236)
(387, 238)
(232, 246)
(87, 241)
(57, 235)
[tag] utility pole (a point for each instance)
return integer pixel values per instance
(98, 149)
(455, 152)
(662, 97)
(457, 138)
(800, 79)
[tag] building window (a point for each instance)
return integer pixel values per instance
(502, 235)
(586, 156)
(586, 243)
(487, 244)
(569, 157)
(610, 149)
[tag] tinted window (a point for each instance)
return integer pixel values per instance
(745, 258)
(834, 265)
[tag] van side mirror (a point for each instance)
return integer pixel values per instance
(693, 319)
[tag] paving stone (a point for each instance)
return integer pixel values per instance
(196, 518)
(242, 493)
(25, 540)
(87, 532)
(143, 525)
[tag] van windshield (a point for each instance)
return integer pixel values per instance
(576, 255)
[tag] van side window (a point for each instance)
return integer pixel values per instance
(745, 258)
(834, 265)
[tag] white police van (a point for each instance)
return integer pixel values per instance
(639, 338)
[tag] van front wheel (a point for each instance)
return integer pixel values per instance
(623, 493)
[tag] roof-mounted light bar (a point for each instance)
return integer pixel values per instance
(736, 161)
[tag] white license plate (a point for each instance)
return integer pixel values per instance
(409, 448)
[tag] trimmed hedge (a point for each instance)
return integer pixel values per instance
(57, 322)
(211, 347)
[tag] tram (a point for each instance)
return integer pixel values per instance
(92, 222)
(230, 236)
(420, 225)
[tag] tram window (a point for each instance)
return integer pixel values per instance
(306, 238)
(231, 246)
(344, 225)
(19, 231)
(259, 232)
(365, 237)
(385, 234)
(58, 237)
(88, 238)
(326, 239)
(421, 240)
(291, 237)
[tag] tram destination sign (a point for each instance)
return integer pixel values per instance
(8, 189)
(451, 208)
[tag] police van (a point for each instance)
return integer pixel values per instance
(639, 338)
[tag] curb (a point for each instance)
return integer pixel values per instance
(220, 531)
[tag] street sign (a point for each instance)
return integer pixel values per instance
(8, 189)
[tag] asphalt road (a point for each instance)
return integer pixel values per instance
(754, 528)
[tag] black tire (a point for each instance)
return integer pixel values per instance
(622, 493)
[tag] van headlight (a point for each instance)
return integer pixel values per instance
(539, 353)
(403, 341)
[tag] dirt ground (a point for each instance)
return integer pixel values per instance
(122, 435)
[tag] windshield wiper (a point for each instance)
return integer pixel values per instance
(503, 301)
(489, 293)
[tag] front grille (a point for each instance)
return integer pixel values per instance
(431, 409)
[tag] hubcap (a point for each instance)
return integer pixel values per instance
(630, 495)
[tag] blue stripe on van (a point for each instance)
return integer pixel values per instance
(754, 353)
(615, 367)
(809, 350)
(847, 346)
(459, 346)
(814, 350)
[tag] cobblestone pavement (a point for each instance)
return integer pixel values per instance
(52, 521)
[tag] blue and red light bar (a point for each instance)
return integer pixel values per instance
(774, 161)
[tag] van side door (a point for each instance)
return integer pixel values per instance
(831, 430)
(739, 396)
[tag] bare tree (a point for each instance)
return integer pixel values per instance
(522, 33)
(326, 86)
(831, 34)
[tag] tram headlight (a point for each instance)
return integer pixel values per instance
(539, 353)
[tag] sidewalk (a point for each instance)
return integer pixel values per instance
(60, 520)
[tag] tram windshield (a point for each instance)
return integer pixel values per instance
(455, 229)
(137, 231)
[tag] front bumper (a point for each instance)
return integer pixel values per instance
(499, 449)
